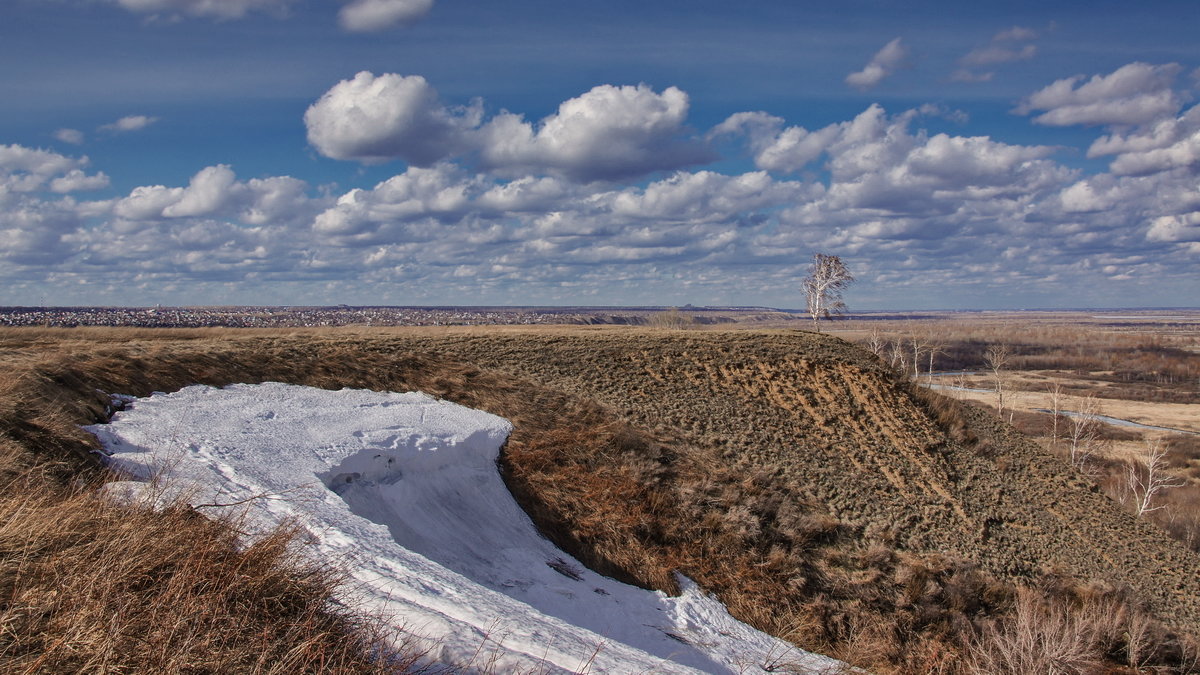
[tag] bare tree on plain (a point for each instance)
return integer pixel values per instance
(827, 278)
(1083, 431)
(996, 357)
(921, 343)
(1055, 412)
(934, 347)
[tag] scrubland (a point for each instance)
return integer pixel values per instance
(822, 497)
(1143, 367)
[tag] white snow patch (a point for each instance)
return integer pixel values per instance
(405, 490)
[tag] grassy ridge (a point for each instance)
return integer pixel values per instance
(826, 501)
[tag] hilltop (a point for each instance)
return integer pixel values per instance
(821, 497)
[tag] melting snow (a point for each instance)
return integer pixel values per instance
(405, 490)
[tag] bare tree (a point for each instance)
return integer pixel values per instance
(827, 278)
(1150, 478)
(934, 347)
(897, 355)
(921, 342)
(1083, 431)
(1055, 413)
(916, 342)
(996, 357)
(877, 342)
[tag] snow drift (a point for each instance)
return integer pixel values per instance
(405, 491)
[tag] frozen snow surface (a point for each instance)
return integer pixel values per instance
(405, 490)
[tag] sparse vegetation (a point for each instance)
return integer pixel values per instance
(1077, 368)
(822, 498)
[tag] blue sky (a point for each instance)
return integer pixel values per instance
(1019, 154)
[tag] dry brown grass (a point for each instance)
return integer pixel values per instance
(91, 586)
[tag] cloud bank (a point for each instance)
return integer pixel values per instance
(611, 197)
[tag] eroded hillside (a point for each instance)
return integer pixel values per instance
(859, 443)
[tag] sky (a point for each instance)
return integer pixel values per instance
(548, 152)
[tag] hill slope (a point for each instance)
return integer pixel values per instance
(790, 472)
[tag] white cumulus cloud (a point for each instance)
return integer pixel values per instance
(208, 191)
(1163, 145)
(440, 192)
(885, 62)
(776, 147)
(607, 133)
(1175, 228)
(215, 192)
(25, 169)
(1133, 94)
(76, 180)
(375, 119)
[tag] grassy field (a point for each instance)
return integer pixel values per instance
(824, 499)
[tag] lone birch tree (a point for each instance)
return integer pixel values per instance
(1083, 431)
(827, 278)
(996, 358)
